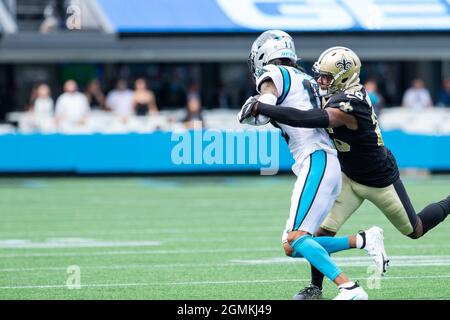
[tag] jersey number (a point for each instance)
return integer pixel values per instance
(352, 95)
(380, 141)
(360, 96)
(341, 146)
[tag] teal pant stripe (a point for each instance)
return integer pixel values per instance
(314, 253)
(317, 167)
(286, 84)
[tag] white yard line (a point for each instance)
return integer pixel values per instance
(396, 261)
(54, 243)
(162, 230)
(126, 266)
(419, 246)
(189, 283)
(138, 252)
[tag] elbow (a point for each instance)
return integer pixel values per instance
(333, 120)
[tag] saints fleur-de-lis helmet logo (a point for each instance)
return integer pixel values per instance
(344, 64)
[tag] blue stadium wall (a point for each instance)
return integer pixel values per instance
(166, 152)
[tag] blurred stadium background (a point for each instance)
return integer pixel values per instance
(97, 87)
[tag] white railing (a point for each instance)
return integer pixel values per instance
(434, 120)
(430, 121)
(109, 123)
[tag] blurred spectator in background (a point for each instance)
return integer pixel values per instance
(32, 98)
(144, 101)
(417, 97)
(375, 97)
(175, 89)
(40, 111)
(444, 95)
(51, 20)
(223, 98)
(43, 103)
(193, 117)
(120, 100)
(95, 96)
(72, 107)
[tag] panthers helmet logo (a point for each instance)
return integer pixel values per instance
(344, 64)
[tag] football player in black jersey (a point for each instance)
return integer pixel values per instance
(369, 170)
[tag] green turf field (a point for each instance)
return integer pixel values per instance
(191, 238)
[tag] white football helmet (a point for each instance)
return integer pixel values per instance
(270, 45)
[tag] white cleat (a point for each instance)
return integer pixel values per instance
(354, 292)
(375, 248)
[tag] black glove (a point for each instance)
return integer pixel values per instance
(246, 110)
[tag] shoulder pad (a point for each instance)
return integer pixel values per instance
(349, 102)
(340, 101)
(273, 73)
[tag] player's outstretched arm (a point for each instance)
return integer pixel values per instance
(314, 118)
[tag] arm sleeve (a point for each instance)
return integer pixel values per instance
(314, 118)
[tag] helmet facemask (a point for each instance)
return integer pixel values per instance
(331, 87)
(251, 63)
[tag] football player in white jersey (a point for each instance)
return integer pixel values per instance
(273, 64)
(369, 169)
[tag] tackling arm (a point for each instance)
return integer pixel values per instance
(314, 118)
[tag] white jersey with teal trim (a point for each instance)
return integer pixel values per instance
(297, 90)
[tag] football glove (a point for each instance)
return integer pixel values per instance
(245, 115)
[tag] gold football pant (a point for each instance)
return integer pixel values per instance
(392, 200)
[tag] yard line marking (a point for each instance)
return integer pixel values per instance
(398, 261)
(402, 261)
(151, 252)
(11, 244)
(189, 283)
(54, 243)
(410, 246)
(151, 231)
(125, 266)
(130, 252)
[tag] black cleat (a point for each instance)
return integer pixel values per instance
(309, 293)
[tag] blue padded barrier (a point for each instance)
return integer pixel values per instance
(166, 152)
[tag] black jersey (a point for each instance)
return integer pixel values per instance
(362, 153)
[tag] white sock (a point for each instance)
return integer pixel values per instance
(359, 241)
(347, 285)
